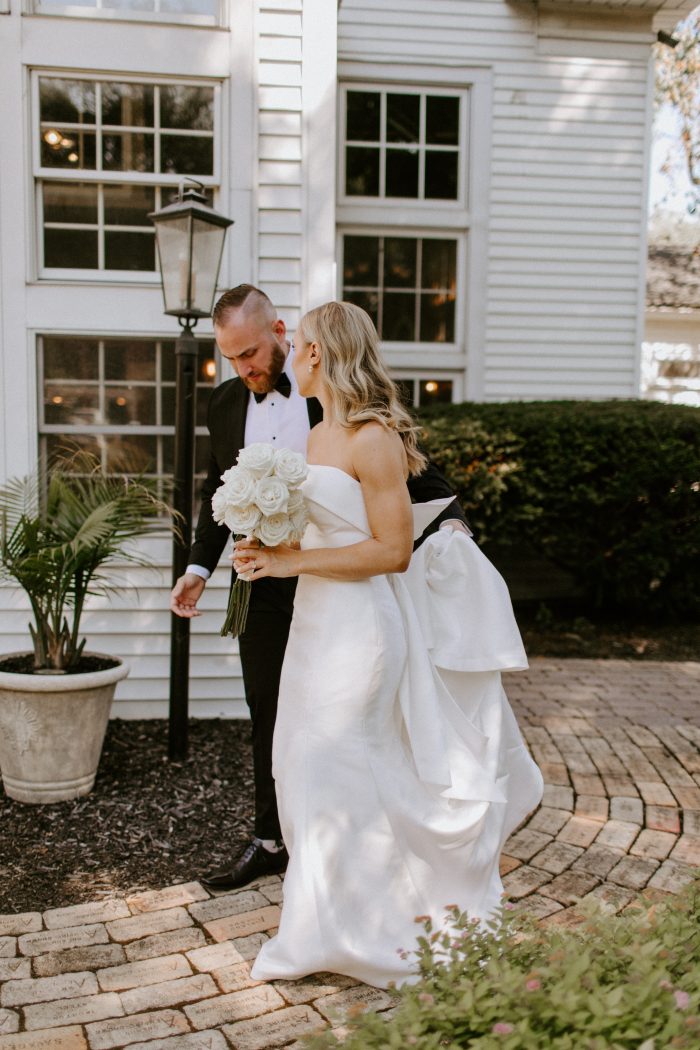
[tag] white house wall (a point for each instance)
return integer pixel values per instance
(567, 169)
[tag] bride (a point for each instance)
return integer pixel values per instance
(399, 766)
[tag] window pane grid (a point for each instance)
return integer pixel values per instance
(205, 12)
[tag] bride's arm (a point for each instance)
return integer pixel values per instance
(378, 461)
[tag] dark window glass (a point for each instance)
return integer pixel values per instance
(130, 405)
(186, 155)
(132, 453)
(437, 318)
(68, 149)
(71, 405)
(400, 262)
(187, 107)
(130, 359)
(74, 202)
(369, 301)
(128, 205)
(401, 173)
(363, 113)
(439, 263)
(60, 444)
(201, 453)
(398, 317)
(441, 175)
(360, 261)
(127, 105)
(167, 360)
(130, 251)
(76, 249)
(67, 101)
(435, 391)
(203, 395)
(127, 151)
(70, 358)
(402, 118)
(362, 171)
(442, 120)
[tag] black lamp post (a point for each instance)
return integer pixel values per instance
(190, 239)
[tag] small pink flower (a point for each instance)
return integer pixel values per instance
(666, 984)
(509, 906)
(427, 998)
(682, 999)
(534, 984)
(502, 1028)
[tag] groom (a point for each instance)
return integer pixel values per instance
(261, 404)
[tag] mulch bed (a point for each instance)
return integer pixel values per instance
(148, 822)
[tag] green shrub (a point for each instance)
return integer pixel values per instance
(611, 983)
(608, 491)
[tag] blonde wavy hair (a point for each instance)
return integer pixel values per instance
(360, 387)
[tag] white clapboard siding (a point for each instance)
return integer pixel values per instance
(567, 174)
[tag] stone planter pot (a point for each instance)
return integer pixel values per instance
(52, 728)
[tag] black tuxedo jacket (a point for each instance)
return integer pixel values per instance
(226, 423)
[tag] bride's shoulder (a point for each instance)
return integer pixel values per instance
(372, 442)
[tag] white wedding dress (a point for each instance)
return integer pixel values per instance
(399, 766)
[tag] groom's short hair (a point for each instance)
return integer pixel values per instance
(246, 295)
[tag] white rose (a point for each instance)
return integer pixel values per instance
(258, 458)
(271, 496)
(290, 466)
(273, 530)
(298, 519)
(242, 520)
(296, 500)
(238, 489)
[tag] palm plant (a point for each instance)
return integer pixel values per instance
(58, 535)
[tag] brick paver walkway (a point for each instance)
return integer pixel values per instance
(619, 746)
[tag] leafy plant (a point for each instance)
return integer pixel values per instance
(628, 982)
(58, 535)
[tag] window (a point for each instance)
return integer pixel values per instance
(416, 391)
(116, 398)
(406, 284)
(107, 154)
(403, 144)
(199, 12)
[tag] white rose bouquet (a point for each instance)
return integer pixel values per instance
(260, 498)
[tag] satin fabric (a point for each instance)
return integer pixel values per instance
(398, 780)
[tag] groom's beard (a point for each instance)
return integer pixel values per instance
(265, 381)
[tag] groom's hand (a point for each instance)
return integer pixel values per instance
(185, 595)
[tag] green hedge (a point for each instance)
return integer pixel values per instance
(628, 982)
(609, 491)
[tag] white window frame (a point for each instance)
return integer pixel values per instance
(97, 177)
(100, 12)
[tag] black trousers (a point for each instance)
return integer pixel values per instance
(262, 646)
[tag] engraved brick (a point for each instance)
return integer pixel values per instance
(634, 872)
(620, 787)
(237, 1006)
(248, 947)
(655, 844)
(655, 794)
(15, 969)
(618, 834)
(169, 993)
(691, 823)
(72, 1011)
(9, 1021)
(214, 956)
(230, 904)
(59, 1039)
(548, 820)
(138, 926)
(138, 974)
(523, 881)
(234, 978)
(588, 785)
(538, 907)
(592, 806)
(556, 857)
(23, 922)
(569, 887)
(663, 818)
(44, 989)
(85, 914)
(8, 947)
(233, 926)
(75, 959)
(526, 843)
(274, 892)
(598, 860)
(165, 944)
(61, 940)
(558, 797)
(567, 917)
(688, 798)
(630, 810)
(506, 864)
(337, 1008)
(612, 898)
(158, 900)
(107, 1035)
(687, 850)
(553, 772)
(310, 988)
(671, 876)
(579, 831)
(210, 1040)
(276, 1029)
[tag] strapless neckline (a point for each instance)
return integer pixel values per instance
(338, 470)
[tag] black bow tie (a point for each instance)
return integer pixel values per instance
(283, 385)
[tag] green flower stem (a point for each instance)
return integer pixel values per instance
(237, 612)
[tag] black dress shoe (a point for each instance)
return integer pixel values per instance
(254, 862)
